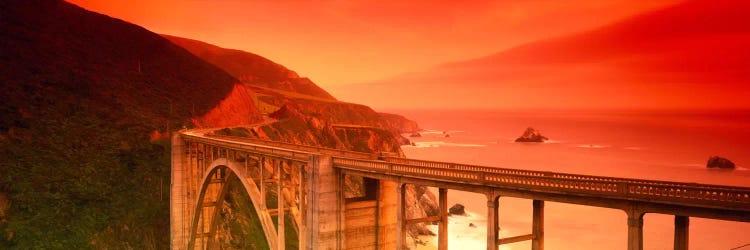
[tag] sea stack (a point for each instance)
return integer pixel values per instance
(719, 162)
(531, 135)
(457, 209)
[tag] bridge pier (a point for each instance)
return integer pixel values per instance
(537, 225)
(401, 216)
(493, 202)
(681, 232)
(178, 196)
(387, 211)
(325, 203)
(443, 223)
(635, 230)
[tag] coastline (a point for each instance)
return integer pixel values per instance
(640, 148)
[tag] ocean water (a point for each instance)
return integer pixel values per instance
(659, 145)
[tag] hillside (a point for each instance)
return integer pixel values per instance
(81, 93)
(251, 68)
(309, 120)
(697, 51)
(270, 98)
(87, 102)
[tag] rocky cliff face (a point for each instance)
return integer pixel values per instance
(236, 108)
(311, 125)
(400, 123)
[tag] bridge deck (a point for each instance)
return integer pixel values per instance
(652, 191)
(634, 196)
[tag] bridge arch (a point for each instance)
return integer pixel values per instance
(322, 207)
(217, 173)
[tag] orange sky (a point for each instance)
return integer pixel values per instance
(340, 42)
(691, 55)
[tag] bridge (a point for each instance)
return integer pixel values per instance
(308, 183)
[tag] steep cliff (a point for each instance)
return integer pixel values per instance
(236, 108)
(337, 115)
(400, 123)
(251, 68)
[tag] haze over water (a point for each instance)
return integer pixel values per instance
(659, 145)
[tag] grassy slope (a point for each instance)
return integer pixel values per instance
(75, 156)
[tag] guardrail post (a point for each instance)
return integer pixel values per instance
(623, 187)
(681, 232)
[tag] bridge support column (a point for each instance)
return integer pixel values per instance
(178, 199)
(537, 242)
(280, 206)
(401, 217)
(325, 201)
(493, 227)
(681, 232)
(443, 226)
(262, 182)
(388, 209)
(302, 197)
(635, 230)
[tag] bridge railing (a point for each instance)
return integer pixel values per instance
(234, 144)
(319, 150)
(567, 176)
(622, 188)
(652, 191)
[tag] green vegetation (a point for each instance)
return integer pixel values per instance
(77, 183)
(245, 230)
(80, 95)
(291, 240)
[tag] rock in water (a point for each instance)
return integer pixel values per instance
(415, 135)
(719, 162)
(531, 135)
(457, 209)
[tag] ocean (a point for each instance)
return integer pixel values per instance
(672, 145)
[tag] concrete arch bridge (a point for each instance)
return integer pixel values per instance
(308, 183)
